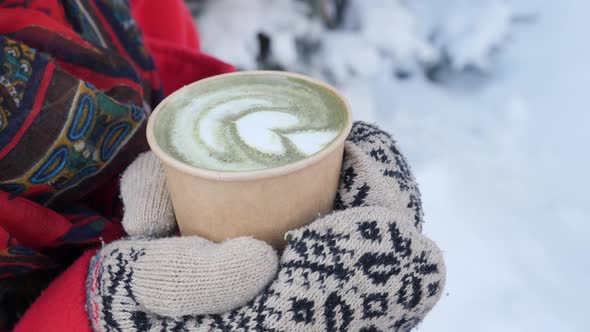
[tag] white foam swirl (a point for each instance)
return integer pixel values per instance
(251, 126)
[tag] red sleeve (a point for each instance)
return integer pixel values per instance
(170, 33)
(62, 306)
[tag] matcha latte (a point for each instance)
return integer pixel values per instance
(249, 122)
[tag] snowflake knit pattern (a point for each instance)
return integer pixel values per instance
(365, 267)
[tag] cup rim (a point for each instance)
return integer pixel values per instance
(221, 175)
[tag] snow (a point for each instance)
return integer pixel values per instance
(230, 28)
(497, 142)
(467, 31)
(503, 169)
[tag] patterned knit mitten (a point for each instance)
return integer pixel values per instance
(365, 267)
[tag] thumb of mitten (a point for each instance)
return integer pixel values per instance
(148, 208)
(375, 173)
(184, 275)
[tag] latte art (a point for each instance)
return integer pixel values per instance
(248, 123)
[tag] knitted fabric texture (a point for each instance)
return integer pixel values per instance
(364, 268)
(183, 275)
(180, 276)
(148, 208)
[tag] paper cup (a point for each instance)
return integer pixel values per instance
(265, 203)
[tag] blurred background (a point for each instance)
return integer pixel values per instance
(489, 101)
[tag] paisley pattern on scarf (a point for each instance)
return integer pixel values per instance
(96, 129)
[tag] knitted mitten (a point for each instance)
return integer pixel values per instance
(183, 275)
(365, 267)
(179, 275)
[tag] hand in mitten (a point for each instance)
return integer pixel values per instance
(178, 276)
(365, 267)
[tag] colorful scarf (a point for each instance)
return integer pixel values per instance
(73, 101)
(77, 83)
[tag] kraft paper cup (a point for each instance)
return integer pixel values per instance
(266, 203)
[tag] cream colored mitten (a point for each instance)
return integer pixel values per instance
(366, 267)
(177, 276)
(180, 276)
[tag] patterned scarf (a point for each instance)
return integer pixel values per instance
(76, 86)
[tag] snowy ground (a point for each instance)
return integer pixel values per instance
(503, 165)
(503, 169)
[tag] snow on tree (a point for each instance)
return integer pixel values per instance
(346, 42)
